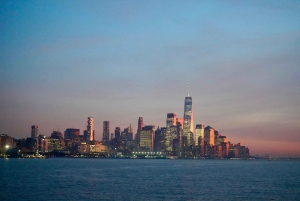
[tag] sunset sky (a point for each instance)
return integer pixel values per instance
(62, 61)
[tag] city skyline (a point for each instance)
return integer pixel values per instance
(171, 119)
(62, 62)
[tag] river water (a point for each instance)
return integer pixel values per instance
(148, 179)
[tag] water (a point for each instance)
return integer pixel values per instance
(146, 179)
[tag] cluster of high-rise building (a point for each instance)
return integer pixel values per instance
(180, 138)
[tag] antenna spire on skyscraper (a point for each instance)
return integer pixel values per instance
(188, 89)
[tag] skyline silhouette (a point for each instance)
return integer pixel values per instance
(119, 60)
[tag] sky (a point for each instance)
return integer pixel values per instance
(63, 61)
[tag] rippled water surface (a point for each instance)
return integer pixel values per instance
(146, 179)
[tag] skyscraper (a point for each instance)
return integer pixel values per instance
(34, 132)
(139, 129)
(199, 132)
(188, 120)
(129, 134)
(171, 131)
(209, 135)
(89, 128)
(117, 132)
(199, 139)
(171, 119)
(105, 138)
(140, 124)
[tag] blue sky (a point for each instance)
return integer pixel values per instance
(62, 61)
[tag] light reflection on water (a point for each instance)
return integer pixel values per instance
(146, 179)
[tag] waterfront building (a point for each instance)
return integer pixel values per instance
(84, 148)
(219, 151)
(98, 148)
(55, 144)
(42, 143)
(221, 141)
(105, 137)
(243, 152)
(233, 151)
(225, 149)
(208, 149)
(6, 142)
(238, 151)
(147, 138)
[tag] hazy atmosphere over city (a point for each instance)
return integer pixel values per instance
(63, 61)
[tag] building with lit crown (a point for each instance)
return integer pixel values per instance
(89, 128)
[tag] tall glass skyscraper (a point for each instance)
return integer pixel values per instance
(139, 129)
(188, 121)
(105, 138)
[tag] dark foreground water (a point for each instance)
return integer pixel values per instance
(146, 179)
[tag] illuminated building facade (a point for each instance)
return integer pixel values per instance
(6, 142)
(171, 120)
(199, 133)
(209, 135)
(188, 121)
(55, 144)
(105, 137)
(176, 139)
(56, 135)
(89, 128)
(42, 143)
(147, 138)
